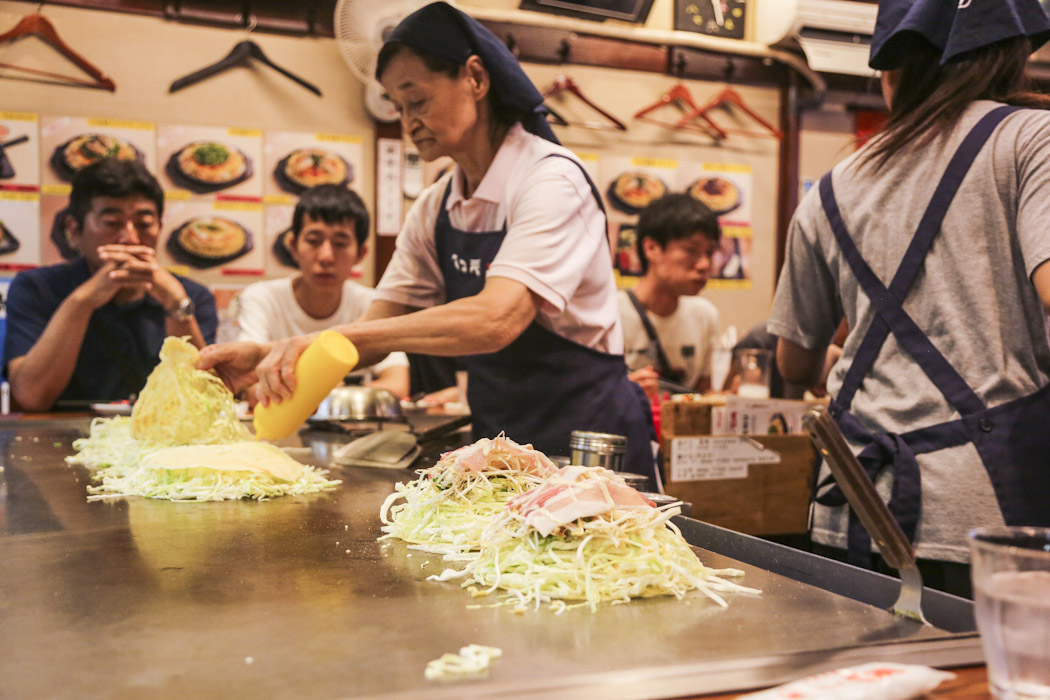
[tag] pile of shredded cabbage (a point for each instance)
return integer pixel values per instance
(625, 553)
(447, 508)
(182, 405)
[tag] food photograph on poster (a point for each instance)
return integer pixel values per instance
(19, 229)
(726, 189)
(732, 260)
(19, 151)
(202, 235)
(633, 190)
(72, 143)
(206, 160)
(296, 161)
(625, 259)
(279, 240)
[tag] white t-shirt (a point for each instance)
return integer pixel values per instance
(556, 243)
(268, 311)
(689, 336)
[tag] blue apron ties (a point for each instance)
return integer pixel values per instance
(1012, 439)
(542, 386)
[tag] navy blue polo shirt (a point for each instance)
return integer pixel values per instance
(122, 341)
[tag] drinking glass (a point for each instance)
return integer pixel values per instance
(755, 367)
(1010, 567)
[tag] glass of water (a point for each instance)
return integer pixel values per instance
(755, 368)
(1011, 581)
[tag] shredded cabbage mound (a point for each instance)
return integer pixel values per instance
(626, 552)
(446, 509)
(180, 406)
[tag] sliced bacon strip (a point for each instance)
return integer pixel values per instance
(575, 492)
(481, 455)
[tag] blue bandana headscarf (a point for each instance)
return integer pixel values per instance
(953, 26)
(444, 31)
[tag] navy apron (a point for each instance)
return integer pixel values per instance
(1012, 439)
(542, 386)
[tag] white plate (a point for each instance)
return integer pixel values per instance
(117, 408)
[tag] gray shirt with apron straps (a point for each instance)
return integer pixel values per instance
(969, 296)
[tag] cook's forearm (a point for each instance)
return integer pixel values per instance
(483, 323)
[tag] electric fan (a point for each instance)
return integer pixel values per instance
(361, 26)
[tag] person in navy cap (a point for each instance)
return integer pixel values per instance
(932, 241)
(504, 261)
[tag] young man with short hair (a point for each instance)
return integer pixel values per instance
(91, 329)
(329, 237)
(669, 331)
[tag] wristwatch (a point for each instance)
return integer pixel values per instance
(184, 311)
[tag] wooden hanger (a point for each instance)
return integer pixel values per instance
(731, 98)
(39, 26)
(242, 52)
(677, 96)
(566, 84)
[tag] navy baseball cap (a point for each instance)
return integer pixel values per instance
(953, 26)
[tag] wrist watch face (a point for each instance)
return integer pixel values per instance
(184, 311)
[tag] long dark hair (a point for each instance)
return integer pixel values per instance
(928, 97)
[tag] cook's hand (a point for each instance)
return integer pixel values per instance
(276, 372)
(235, 363)
(648, 379)
(442, 397)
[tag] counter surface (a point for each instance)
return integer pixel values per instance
(295, 597)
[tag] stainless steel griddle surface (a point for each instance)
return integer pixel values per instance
(296, 598)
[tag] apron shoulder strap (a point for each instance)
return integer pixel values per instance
(888, 303)
(665, 369)
(586, 176)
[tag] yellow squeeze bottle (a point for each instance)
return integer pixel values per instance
(318, 370)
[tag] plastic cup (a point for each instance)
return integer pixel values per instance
(1010, 568)
(755, 368)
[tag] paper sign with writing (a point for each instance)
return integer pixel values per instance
(722, 457)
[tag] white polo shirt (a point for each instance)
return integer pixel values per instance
(556, 243)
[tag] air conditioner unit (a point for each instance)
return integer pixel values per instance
(835, 35)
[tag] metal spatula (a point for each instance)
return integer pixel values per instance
(869, 507)
(385, 448)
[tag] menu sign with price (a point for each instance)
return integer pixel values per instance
(708, 458)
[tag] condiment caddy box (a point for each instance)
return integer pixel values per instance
(758, 484)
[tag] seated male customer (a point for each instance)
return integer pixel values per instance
(329, 237)
(90, 329)
(670, 332)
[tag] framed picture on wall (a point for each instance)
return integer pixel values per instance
(629, 10)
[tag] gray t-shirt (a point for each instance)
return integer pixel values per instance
(973, 298)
